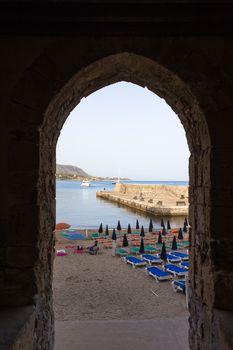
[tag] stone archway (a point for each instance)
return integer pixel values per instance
(144, 72)
(54, 78)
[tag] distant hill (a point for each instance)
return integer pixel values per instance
(70, 170)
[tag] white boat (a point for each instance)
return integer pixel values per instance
(86, 183)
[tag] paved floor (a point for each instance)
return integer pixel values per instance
(159, 334)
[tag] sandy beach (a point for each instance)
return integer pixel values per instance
(102, 287)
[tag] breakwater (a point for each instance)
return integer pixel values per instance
(158, 200)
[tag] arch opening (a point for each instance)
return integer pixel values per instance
(146, 73)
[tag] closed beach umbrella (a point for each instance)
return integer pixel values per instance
(137, 225)
(163, 254)
(185, 222)
(160, 238)
(100, 230)
(118, 226)
(180, 235)
(162, 223)
(106, 230)
(62, 226)
(114, 237)
(164, 232)
(185, 229)
(174, 245)
(141, 249)
(125, 241)
(150, 226)
(168, 225)
(129, 229)
(142, 234)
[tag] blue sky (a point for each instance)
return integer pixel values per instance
(125, 128)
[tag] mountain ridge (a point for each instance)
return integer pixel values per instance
(65, 169)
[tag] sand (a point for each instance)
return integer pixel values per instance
(102, 287)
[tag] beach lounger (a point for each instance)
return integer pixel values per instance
(183, 256)
(175, 270)
(179, 286)
(184, 265)
(151, 259)
(134, 261)
(61, 252)
(173, 259)
(134, 250)
(157, 273)
(107, 244)
(136, 243)
(122, 252)
(150, 249)
(95, 235)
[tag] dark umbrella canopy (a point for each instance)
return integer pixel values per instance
(100, 230)
(186, 222)
(125, 241)
(142, 233)
(174, 244)
(163, 254)
(180, 235)
(137, 225)
(114, 237)
(164, 232)
(129, 229)
(160, 238)
(141, 249)
(185, 229)
(118, 226)
(162, 223)
(168, 225)
(150, 226)
(106, 230)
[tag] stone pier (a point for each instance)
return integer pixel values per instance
(160, 200)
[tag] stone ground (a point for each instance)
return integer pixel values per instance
(159, 334)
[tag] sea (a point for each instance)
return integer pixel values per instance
(79, 206)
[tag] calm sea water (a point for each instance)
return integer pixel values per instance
(79, 206)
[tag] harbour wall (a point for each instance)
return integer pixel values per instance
(158, 200)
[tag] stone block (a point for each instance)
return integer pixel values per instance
(21, 256)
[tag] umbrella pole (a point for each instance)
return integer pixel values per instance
(113, 248)
(187, 290)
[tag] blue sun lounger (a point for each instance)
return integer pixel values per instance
(134, 261)
(179, 286)
(184, 265)
(172, 258)
(157, 273)
(175, 270)
(151, 259)
(183, 256)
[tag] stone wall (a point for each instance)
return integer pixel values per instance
(158, 200)
(42, 79)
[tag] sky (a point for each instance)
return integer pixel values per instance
(128, 131)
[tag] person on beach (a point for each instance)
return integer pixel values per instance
(93, 249)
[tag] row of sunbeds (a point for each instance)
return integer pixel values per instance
(167, 271)
(172, 257)
(160, 274)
